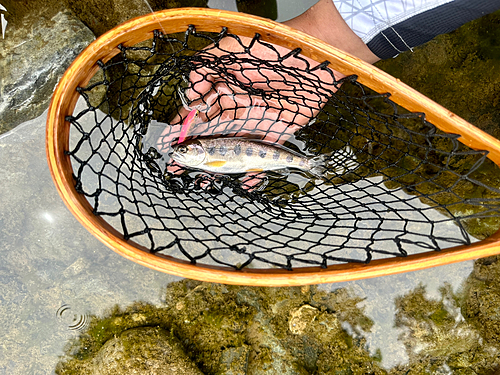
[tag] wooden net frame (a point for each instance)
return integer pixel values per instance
(178, 20)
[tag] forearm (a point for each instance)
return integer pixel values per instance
(380, 30)
(324, 22)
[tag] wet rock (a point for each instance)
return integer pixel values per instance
(34, 56)
(439, 340)
(101, 16)
(301, 317)
(145, 350)
(234, 330)
(481, 306)
(234, 361)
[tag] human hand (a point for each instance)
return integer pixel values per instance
(250, 88)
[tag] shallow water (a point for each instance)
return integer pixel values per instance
(53, 272)
(49, 260)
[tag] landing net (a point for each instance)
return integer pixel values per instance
(394, 184)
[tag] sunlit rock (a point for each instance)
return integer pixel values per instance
(33, 57)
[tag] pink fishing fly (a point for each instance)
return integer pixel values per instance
(188, 121)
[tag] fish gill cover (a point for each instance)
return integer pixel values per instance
(392, 184)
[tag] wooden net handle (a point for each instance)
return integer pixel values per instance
(178, 20)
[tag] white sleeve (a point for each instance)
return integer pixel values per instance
(389, 27)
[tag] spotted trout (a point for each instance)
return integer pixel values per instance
(238, 155)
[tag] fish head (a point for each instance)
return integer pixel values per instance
(190, 154)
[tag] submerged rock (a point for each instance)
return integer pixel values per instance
(34, 56)
(144, 350)
(233, 330)
(444, 335)
(482, 299)
(459, 70)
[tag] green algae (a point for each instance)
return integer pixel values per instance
(459, 70)
(437, 338)
(305, 330)
(116, 321)
(145, 350)
(482, 299)
(230, 329)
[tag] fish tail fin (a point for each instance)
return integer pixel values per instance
(318, 165)
(338, 162)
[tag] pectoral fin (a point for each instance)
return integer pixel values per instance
(216, 163)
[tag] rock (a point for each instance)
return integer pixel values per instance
(33, 58)
(234, 361)
(481, 306)
(145, 350)
(300, 318)
(101, 16)
(262, 8)
(230, 330)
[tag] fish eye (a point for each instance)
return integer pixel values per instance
(182, 149)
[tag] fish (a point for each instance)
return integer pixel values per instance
(240, 155)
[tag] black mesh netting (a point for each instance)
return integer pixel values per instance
(393, 184)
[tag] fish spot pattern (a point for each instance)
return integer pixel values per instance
(223, 150)
(276, 155)
(262, 154)
(237, 149)
(249, 151)
(289, 158)
(211, 150)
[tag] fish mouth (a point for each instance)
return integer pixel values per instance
(174, 157)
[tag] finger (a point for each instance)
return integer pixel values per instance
(252, 180)
(164, 142)
(200, 82)
(174, 168)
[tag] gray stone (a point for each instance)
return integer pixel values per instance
(144, 350)
(101, 16)
(32, 60)
(234, 361)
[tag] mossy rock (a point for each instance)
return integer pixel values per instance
(236, 330)
(459, 70)
(437, 337)
(144, 350)
(482, 299)
(103, 16)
